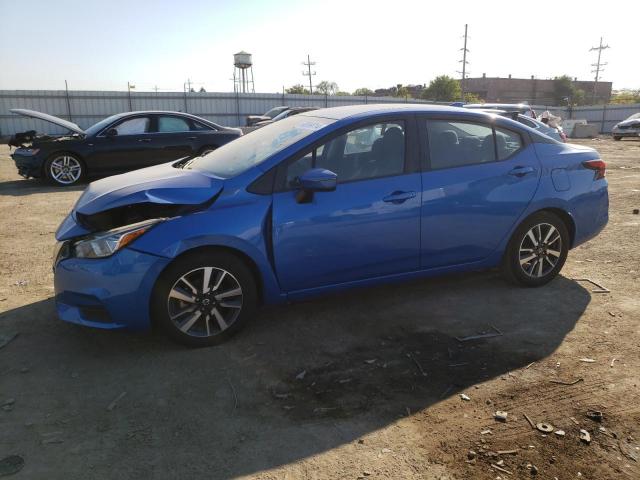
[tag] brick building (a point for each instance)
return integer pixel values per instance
(532, 90)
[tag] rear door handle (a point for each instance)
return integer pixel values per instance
(192, 138)
(521, 171)
(399, 197)
(144, 140)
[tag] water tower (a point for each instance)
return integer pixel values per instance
(243, 73)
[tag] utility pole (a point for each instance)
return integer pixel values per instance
(464, 62)
(598, 66)
(308, 73)
(188, 84)
(129, 87)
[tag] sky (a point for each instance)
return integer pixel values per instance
(98, 45)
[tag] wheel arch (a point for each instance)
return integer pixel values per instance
(561, 213)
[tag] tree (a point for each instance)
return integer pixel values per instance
(443, 89)
(566, 93)
(298, 88)
(402, 91)
(342, 94)
(472, 98)
(626, 96)
(202, 90)
(327, 88)
(363, 92)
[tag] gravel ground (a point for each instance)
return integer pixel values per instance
(384, 372)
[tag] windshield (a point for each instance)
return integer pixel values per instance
(275, 111)
(95, 128)
(249, 150)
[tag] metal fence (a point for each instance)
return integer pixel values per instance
(88, 107)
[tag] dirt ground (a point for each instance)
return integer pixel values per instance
(381, 396)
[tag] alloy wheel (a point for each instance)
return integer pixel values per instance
(205, 302)
(540, 250)
(65, 169)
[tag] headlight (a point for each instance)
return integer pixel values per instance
(107, 243)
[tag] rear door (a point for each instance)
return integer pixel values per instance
(174, 137)
(477, 180)
(368, 226)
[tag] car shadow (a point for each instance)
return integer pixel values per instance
(300, 380)
(21, 187)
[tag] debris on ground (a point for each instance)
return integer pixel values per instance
(585, 436)
(495, 333)
(561, 382)
(587, 360)
(599, 288)
(560, 433)
(544, 427)
(301, 375)
(10, 465)
(613, 360)
(501, 416)
(500, 469)
(533, 425)
(422, 372)
(507, 452)
(595, 415)
(115, 401)
(464, 397)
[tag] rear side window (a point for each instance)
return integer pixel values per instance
(172, 124)
(507, 143)
(455, 144)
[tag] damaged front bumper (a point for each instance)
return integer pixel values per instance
(108, 293)
(28, 165)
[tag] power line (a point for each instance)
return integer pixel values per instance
(464, 62)
(308, 73)
(598, 66)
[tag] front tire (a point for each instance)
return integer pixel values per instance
(537, 250)
(617, 137)
(64, 169)
(204, 298)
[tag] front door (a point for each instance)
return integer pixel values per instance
(368, 227)
(477, 181)
(131, 147)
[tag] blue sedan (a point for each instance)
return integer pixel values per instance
(322, 202)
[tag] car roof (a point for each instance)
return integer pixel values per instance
(356, 111)
(498, 105)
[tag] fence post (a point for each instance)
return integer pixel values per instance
(283, 96)
(66, 90)
(238, 107)
(366, 98)
(186, 107)
(604, 117)
(326, 99)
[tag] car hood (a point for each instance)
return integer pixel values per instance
(48, 118)
(149, 188)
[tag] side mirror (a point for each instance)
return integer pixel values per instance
(315, 180)
(319, 180)
(112, 132)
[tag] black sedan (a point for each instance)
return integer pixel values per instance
(119, 143)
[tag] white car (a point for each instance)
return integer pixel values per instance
(627, 128)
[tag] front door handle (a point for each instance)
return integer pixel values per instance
(399, 197)
(144, 140)
(521, 171)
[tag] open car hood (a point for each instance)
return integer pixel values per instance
(158, 191)
(48, 118)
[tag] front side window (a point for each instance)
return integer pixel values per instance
(133, 126)
(455, 144)
(367, 152)
(172, 124)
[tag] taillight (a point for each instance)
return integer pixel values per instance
(598, 165)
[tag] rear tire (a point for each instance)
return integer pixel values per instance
(537, 250)
(204, 298)
(617, 138)
(64, 169)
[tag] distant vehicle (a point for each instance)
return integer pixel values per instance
(270, 115)
(119, 143)
(522, 108)
(287, 113)
(322, 202)
(557, 133)
(627, 128)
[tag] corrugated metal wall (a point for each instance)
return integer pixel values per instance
(87, 107)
